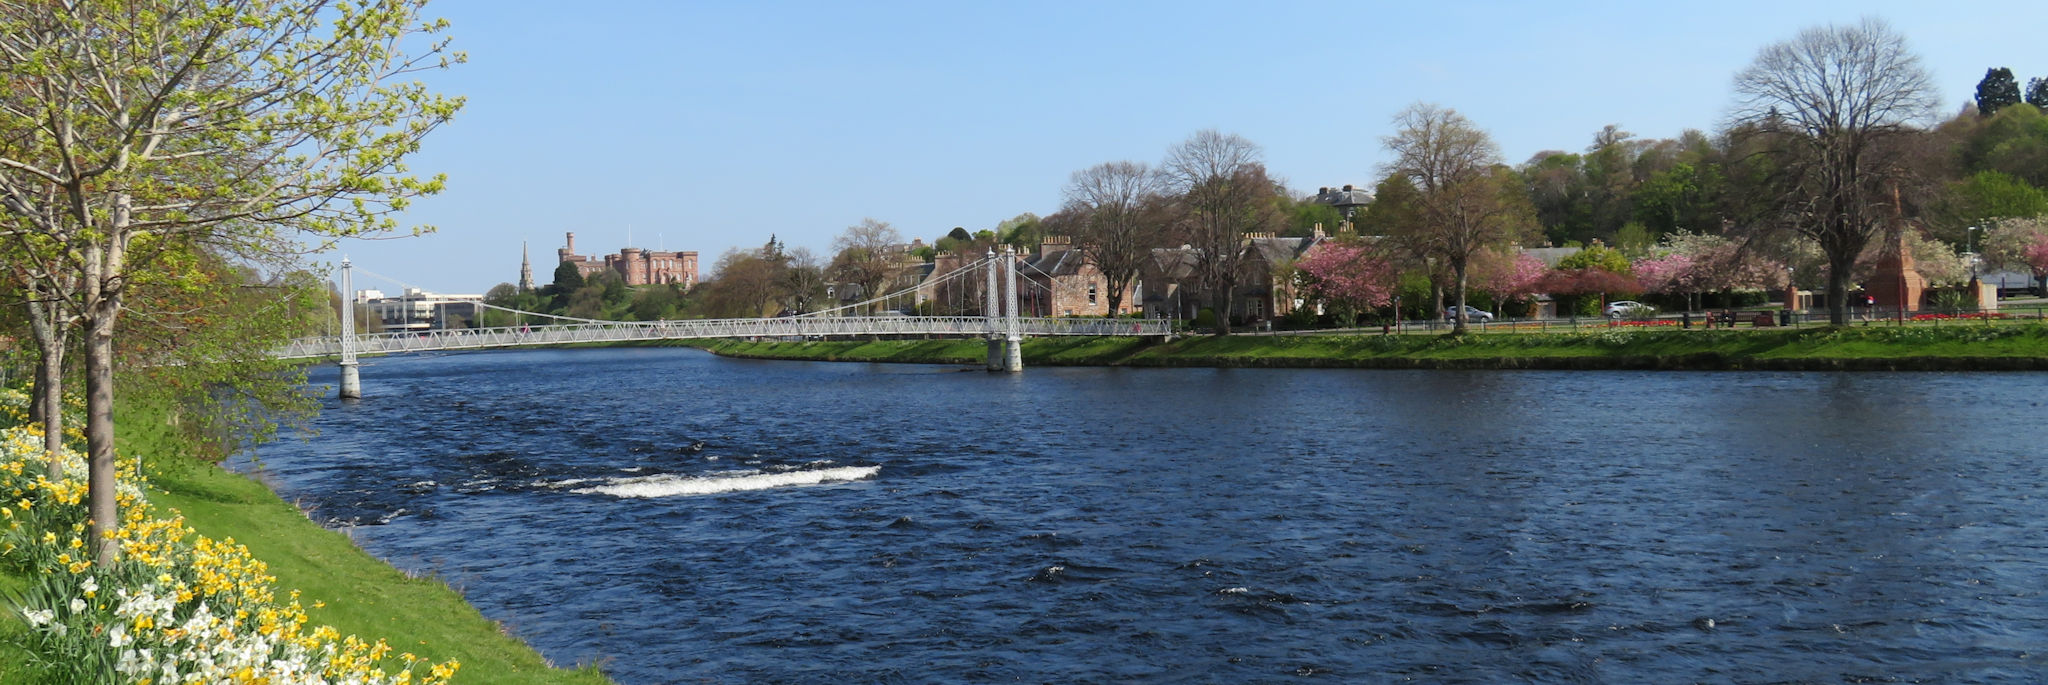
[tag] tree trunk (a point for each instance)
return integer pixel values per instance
(1838, 289)
(49, 402)
(1458, 270)
(46, 405)
(1221, 306)
(99, 433)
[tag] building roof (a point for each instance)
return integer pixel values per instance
(1347, 196)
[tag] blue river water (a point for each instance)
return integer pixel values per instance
(675, 516)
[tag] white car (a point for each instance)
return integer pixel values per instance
(1628, 308)
(1471, 314)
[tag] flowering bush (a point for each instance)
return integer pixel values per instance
(178, 608)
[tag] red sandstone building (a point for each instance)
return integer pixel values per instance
(637, 266)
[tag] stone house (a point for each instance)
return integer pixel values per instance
(1060, 281)
(1265, 287)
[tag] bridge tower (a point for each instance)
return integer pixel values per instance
(351, 377)
(991, 311)
(1013, 348)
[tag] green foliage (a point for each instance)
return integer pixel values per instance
(2014, 141)
(1025, 230)
(1206, 318)
(568, 278)
(1596, 257)
(1987, 195)
(1997, 91)
(1302, 218)
(1634, 239)
(2037, 93)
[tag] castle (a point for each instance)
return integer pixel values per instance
(635, 265)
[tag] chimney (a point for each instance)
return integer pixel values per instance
(1347, 187)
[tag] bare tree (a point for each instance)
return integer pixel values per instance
(803, 280)
(1831, 113)
(745, 283)
(1116, 232)
(1224, 194)
(866, 255)
(1465, 200)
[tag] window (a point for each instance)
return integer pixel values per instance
(1091, 292)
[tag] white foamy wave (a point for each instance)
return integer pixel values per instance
(670, 485)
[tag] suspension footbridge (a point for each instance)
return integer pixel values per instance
(1000, 323)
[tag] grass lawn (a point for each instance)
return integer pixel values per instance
(1944, 347)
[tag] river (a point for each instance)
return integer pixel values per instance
(676, 516)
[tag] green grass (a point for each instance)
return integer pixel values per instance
(1951, 347)
(362, 595)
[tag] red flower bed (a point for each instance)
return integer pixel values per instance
(1976, 315)
(1649, 322)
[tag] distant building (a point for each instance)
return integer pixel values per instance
(419, 310)
(635, 265)
(525, 270)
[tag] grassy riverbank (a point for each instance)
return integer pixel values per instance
(341, 585)
(1953, 347)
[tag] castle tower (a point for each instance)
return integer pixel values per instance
(525, 270)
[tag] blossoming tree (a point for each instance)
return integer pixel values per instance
(1348, 276)
(1507, 275)
(142, 130)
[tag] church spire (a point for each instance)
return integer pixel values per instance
(525, 270)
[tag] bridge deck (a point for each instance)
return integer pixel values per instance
(517, 336)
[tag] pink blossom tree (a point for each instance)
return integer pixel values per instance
(1349, 277)
(2016, 244)
(1507, 277)
(2036, 254)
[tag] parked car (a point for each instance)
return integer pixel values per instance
(1619, 309)
(1471, 314)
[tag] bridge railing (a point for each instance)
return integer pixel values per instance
(783, 327)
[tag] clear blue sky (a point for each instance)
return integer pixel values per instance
(709, 125)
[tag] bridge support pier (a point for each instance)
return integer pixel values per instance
(995, 353)
(1013, 355)
(351, 377)
(351, 381)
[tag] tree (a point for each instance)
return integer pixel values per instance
(1224, 194)
(1116, 233)
(1996, 91)
(866, 256)
(2016, 244)
(2014, 142)
(568, 278)
(1348, 275)
(744, 284)
(1831, 114)
(1506, 275)
(2037, 93)
(803, 281)
(137, 131)
(1466, 200)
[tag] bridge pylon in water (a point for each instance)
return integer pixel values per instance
(1005, 335)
